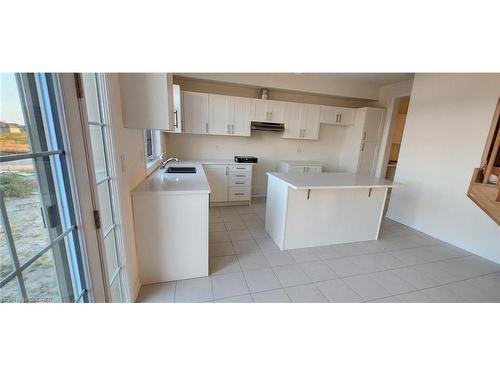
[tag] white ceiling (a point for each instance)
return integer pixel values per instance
(354, 85)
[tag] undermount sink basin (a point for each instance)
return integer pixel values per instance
(181, 170)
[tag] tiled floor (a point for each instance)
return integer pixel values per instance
(402, 266)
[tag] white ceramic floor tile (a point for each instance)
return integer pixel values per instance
(266, 244)
(235, 225)
(230, 217)
(194, 290)
(414, 297)
(367, 287)
(229, 285)
(304, 255)
(218, 236)
(393, 283)
(338, 291)
(245, 246)
(305, 293)
(245, 209)
(416, 278)
(489, 284)
(249, 216)
(239, 235)
(291, 275)
(216, 227)
(318, 271)
(271, 296)
(345, 267)
(471, 293)
(217, 249)
(437, 272)
(386, 300)
(255, 224)
(215, 218)
(161, 292)
(261, 280)
(442, 294)
(278, 258)
(246, 298)
(258, 233)
(252, 261)
(224, 264)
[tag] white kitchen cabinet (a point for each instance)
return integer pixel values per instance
(218, 178)
(268, 110)
(219, 109)
(196, 112)
(337, 115)
(367, 158)
(301, 121)
(241, 109)
(147, 100)
(372, 120)
(299, 166)
(178, 116)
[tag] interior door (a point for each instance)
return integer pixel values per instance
(240, 116)
(218, 178)
(219, 109)
(367, 158)
(196, 112)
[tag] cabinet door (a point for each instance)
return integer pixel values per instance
(147, 100)
(240, 116)
(259, 110)
(367, 158)
(310, 122)
(219, 108)
(296, 169)
(346, 116)
(218, 179)
(293, 120)
(276, 111)
(327, 114)
(178, 118)
(314, 169)
(195, 112)
(373, 124)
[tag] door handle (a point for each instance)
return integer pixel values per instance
(176, 122)
(340, 117)
(364, 136)
(362, 147)
(206, 127)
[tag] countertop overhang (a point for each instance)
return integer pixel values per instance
(309, 181)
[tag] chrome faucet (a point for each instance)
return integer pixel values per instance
(165, 162)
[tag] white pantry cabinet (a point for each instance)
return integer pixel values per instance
(196, 112)
(147, 100)
(269, 110)
(302, 121)
(370, 121)
(337, 115)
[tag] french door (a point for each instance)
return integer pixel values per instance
(95, 116)
(40, 245)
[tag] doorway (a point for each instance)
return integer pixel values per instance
(395, 138)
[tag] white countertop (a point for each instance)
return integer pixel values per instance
(214, 161)
(302, 162)
(332, 181)
(176, 183)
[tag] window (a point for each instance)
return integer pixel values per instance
(149, 145)
(40, 259)
(152, 148)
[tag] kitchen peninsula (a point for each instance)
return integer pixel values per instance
(306, 210)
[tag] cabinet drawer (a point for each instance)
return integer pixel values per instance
(240, 174)
(239, 194)
(239, 181)
(240, 167)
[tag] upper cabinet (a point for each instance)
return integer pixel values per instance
(302, 121)
(178, 116)
(147, 100)
(219, 109)
(195, 112)
(268, 110)
(241, 110)
(337, 115)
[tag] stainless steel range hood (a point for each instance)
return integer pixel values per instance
(267, 126)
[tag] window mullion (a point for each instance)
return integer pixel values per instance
(12, 247)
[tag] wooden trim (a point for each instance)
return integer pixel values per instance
(489, 140)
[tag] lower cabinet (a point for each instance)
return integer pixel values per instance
(229, 182)
(299, 167)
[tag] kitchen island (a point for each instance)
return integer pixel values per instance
(171, 224)
(306, 210)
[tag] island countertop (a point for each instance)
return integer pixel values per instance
(175, 183)
(306, 181)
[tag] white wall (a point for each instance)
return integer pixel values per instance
(267, 146)
(388, 99)
(130, 144)
(446, 128)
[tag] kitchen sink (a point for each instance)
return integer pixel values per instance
(181, 170)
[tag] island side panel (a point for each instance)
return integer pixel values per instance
(171, 236)
(332, 216)
(276, 209)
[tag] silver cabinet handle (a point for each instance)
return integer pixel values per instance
(228, 129)
(206, 127)
(340, 117)
(362, 147)
(176, 122)
(364, 136)
(303, 133)
(239, 193)
(240, 175)
(232, 126)
(239, 183)
(227, 170)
